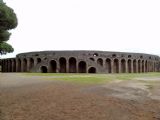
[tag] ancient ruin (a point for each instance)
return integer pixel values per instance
(81, 62)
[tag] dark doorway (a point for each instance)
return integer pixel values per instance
(92, 70)
(123, 66)
(134, 66)
(31, 63)
(19, 65)
(53, 66)
(25, 65)
(116, 66)
(129, 66)
(62, 62)
(44, 69)
(108, 65)
(82, 67)
(100, 61)
(72, 65)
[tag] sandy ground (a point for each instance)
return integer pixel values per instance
(32, 98)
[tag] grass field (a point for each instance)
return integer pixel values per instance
(93, 78)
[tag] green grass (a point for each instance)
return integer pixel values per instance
(92, 78)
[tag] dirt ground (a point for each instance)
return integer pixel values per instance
(31, 98)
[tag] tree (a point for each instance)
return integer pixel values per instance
(8, 21)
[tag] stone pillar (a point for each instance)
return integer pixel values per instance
(126, 66)
(119, 66)
(67, 66)
(22, 65)
(28, 64)
(112, 66)
(131, 66)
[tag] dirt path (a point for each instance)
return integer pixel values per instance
(30, 98)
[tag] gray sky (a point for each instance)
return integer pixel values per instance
(108, 25)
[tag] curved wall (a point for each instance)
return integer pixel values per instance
(81, 62)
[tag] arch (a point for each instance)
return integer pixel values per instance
(116, 66)
(31, 63)
(134, 66)
(24, 65)
(129, 66)
(139, 66)
(100, 61)
(143, 65)
(53, 66)
(14, 65)
(92, 70)
(62, 62)
(19, 65)
(9, 65)
(123, 66)
(108, 65)
(72, 65)
(91, 59)
(146, 66)
(44, 69)
(38, 60)
(82, 67)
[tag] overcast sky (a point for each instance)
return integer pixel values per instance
(108, 25)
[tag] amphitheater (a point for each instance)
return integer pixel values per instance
(81, 62)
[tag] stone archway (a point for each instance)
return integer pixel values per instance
(143, 66)
(24, 65)
(82, 67)
(123, 66)
(14, 65)
(39, 60)
(134, 66)
(31, 63)
(92, 70)
(62, 63)
(19, 65)
(139, 66)
(146, 66)
(100, 61)
(108, 65)
(72, 65)
(116, 66)
(44, 69)
(53, 66)
(129, 66)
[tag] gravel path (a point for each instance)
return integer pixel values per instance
(34, 98)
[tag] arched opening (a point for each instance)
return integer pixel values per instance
(91, 59)
(134, 66)
(14, 65)
(123, 66)
(82, 67)
(53, 66)
(108, 65)
(31, 63)
(100, 61)
(38, 60)
(19, 65)
(143, 66)
(44, 69)
(146, 66)
(92, 70)
(129, 66)
(10, 66)
(62, 62)
(139, 66)
(116, 66)
(6, 65)
(72, 65)
(24, 65)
